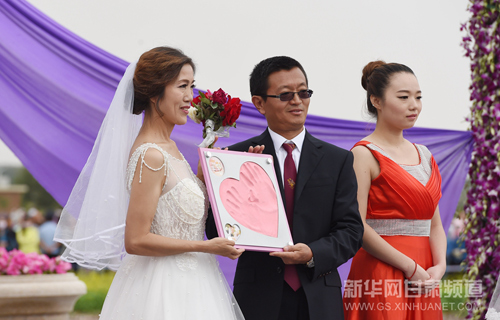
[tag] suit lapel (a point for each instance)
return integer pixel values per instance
(310, 156)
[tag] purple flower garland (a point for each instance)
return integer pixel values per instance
(482, 233)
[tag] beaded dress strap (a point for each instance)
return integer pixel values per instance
(140, 153)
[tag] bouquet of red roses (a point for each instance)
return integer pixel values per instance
(217, 112)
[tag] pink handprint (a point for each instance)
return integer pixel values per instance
(252, 200)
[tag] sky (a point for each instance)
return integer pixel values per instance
(332, 39)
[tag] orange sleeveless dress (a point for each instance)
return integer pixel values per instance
(400, 207)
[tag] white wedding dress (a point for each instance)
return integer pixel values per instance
(183, 286)
(493, 312)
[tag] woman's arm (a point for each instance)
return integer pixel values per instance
(438, 247)
(144, 198)
(367, 168)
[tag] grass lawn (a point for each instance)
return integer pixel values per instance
(454, 292)
(98, 283)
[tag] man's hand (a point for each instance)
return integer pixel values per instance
(296, 254)
(256, 149)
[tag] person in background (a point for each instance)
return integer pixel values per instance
(4, 231)
(14, 220)
(455, 252)
(28, 237)
(47, 230)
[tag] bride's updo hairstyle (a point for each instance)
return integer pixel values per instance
(375, 80)
(155, 69)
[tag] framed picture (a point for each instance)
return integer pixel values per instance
(245, 198)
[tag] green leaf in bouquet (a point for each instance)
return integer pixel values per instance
(207, 113)
(205, 101)
(199, 113)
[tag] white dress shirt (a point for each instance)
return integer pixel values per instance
(281, 153)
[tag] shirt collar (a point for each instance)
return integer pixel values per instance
(278, 140)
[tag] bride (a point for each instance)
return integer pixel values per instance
(138, 194)
(493, 312)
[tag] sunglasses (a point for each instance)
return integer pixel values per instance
(287, 96)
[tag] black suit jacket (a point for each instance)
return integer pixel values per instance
(325, 217)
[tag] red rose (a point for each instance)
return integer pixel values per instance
(208, 94)
(219, 97)
(195, 101)
(231, 111)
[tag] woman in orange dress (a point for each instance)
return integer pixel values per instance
(396, 273)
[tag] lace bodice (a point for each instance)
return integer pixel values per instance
(182, 207)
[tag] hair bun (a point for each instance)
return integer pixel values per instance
(368, 70)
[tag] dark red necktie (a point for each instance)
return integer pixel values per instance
(290, 176)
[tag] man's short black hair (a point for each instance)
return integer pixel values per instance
(259, 78)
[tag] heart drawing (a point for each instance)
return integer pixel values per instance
(251, 200)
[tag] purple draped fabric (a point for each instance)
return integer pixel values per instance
(55, 89)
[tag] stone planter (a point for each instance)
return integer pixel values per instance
(40, 296)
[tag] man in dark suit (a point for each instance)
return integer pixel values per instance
(302, 282)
